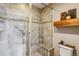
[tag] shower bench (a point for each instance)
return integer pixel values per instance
(46, 51)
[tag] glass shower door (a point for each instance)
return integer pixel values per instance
(11, 38)
(4, 51)
(16, 38)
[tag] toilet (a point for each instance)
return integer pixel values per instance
(65, 50)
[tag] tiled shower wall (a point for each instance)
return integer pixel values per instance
(35, 30)
(46, 17)
(47, 32)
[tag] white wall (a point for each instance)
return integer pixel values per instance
(70, 35)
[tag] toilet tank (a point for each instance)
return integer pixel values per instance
(65, 50)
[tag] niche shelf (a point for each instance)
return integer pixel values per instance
(66, 23)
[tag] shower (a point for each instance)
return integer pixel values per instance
(25, 30)
(40, 31)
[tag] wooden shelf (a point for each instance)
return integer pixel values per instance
(70, 22)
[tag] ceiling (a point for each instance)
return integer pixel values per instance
(39, 5)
